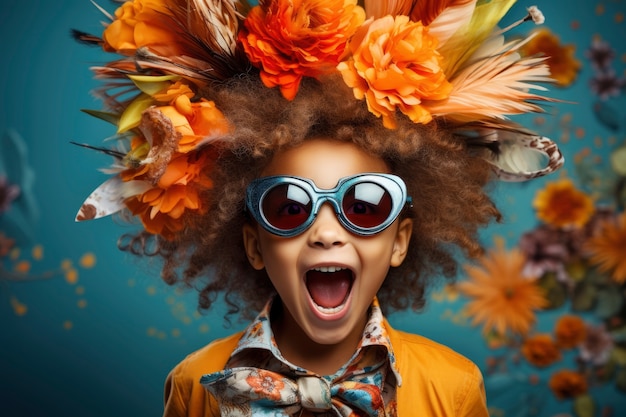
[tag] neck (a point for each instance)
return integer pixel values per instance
(298, 348)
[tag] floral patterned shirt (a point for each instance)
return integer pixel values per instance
(373, 362)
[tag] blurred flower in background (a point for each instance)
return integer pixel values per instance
(553, 307)
(564, 66)
(574, 263)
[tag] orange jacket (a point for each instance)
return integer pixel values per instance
(436, 381)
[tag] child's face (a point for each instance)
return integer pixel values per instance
(293, 264)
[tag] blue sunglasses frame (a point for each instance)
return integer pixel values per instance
(259, 188)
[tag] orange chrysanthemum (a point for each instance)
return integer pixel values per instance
(394, 64)
(197, 122)
(541, 350)
(141, 23)
(172, 163)
(567, 384)
(503, 299)
(292, 39)
(608, 247)
(569, 331)
(561, 204)
(160, 208)
(188, 124)
(563, 64)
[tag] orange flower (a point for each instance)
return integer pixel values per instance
(570, 331)
(567, 384)
(394, 64)
(179, 128)
(540, 350)
(197, 122)
(169, 158)
(291, 39)
(161, 207)
(176, 91)
(503, 299)
(141, 23)
(608, 247)
(563, 64)
(560, 204)
(264, 382)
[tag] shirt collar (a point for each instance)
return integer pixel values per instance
(259, 335)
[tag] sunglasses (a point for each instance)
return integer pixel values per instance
(365, 204)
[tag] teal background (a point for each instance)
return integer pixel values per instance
(102, 342)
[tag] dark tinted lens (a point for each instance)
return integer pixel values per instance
(367, 205)
(286, 206)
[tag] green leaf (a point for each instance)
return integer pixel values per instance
(553, 290)
(619, 336)
(131, 117)
(106, 116)
(620, 380)
(618, 160)
(606, 372)
(595, 277)
(584, 406)
(584, 298)
(609, 302)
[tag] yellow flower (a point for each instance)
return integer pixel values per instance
(563, 64)
(561, 204)
(540, 350)
(502, 298)
(394, 65)
(141, 23)
(292, 39)
(567, 384)
(607, 248)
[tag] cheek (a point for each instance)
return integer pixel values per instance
(279, 257)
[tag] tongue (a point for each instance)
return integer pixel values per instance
(329, 289)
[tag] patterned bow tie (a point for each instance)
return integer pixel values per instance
(248, 391)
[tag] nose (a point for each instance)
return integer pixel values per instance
(326, 231)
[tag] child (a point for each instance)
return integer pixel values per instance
(315, 163)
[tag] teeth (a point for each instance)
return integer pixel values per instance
(331, 310)
(329, 269)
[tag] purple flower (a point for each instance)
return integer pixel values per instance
(8, 193)
(548, 249)
(606, 84)
(597, 346)
(600, 54)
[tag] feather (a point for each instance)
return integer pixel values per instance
(427, 11)
(208, 38)
(86, 38)
(378, 9)
(109, 198)
(111, 152)
(516, 154)
(451, 19)
(494, 86)
(442, 17)
(103, 11)
(211, 23)
(464, 42)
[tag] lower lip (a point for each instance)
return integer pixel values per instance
(331, 316)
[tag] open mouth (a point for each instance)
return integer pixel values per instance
(329, 287)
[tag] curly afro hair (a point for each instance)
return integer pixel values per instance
(446, 180)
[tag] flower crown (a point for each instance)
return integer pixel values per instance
(441, 61)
